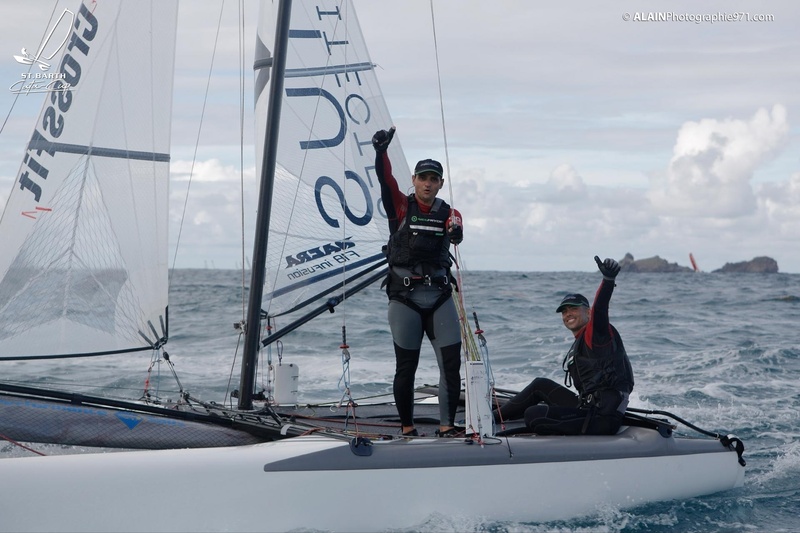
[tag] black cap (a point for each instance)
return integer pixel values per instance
(429, 165)
(573, 300)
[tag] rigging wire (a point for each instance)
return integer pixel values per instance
(441, 107)
(196, 144)
(241, 152)
(470, 346)
(344, 380)
(30, 67)
(470, 350)
(457, 255)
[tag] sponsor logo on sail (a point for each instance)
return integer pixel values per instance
(339, 251)
(39, 79)
(320, 258)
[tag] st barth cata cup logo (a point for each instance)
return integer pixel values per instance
(43, 80)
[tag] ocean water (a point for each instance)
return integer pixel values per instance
(719, 350)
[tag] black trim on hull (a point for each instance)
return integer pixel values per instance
(631, 443)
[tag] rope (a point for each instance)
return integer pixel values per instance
(470, 349)
(19, 444)
(729, 441)
(344, 380)
(441, 105)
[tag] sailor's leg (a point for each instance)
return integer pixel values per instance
(603, 418)
(449, 359)
(443, 330)
(540, 390)
(406, 326)
(546, 419)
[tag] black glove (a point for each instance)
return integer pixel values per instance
(456, 233)
(608, 268)
(381, 139)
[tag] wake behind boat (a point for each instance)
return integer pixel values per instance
(85, 274)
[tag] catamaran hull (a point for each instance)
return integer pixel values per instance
(57, 422)
(269, 486)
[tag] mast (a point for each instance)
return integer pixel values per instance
(257, 273)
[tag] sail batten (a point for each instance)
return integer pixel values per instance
(328, 273)
(328, 70)
(82, 149)
(372, 264)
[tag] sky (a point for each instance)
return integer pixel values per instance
(571, 129)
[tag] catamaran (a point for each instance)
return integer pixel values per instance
(85, 273)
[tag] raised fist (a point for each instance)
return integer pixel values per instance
(382, 138)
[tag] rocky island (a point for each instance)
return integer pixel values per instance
(658, 265)
(763, 264)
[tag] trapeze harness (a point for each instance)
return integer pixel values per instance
(419, 254)
(603, 382)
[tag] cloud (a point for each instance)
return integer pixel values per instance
(780, 203)
(564, 186)
(657, 139)
(206, 211)
(713, 163)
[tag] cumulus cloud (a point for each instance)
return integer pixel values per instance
(564, 185)
(207, 214)
(713, 162)
(780, 203)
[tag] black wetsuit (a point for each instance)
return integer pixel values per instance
(419, 302)
(598, 366)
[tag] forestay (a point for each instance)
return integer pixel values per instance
(327, 220)
(84, 233)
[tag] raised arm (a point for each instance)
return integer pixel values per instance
(394, 201)
(598, 334)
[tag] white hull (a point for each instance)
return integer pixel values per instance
(317, 482)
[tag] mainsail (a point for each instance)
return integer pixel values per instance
(84, 232)
(327, 221)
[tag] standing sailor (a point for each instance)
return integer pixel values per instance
(422, 227)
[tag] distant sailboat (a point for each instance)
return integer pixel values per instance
(694, 264)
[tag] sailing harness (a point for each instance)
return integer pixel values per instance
(401, 282)
(418, 253)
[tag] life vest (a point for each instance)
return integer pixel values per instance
(419, 253)
(421, 242)
(590, 373)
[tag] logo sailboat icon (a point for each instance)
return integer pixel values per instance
(27, 59)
